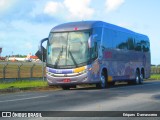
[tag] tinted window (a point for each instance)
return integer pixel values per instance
(98, 32)
(108, 36)
(138, 44)
(130, 43)
(121, 41)
(145, 45)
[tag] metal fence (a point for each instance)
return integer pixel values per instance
(29, 70)
(155, 70)
(21, 70)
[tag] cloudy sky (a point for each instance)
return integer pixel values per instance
(23, 23)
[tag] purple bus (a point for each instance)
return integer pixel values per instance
(94, 52)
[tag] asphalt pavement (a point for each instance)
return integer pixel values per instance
(145, 97)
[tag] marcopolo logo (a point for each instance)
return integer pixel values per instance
(6, 114)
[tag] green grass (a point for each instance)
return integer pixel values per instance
(155, 77)
(24, 84)
(27, 84)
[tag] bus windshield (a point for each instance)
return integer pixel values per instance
(68, 49)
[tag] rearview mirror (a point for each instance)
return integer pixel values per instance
(91, 40)
(41, 53)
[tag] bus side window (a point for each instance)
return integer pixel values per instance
(97, 39)
(115, 39)
(107, 38)
(130, 43)
(147, 47)
(144, 45)
(98, 32)
(121, 41)
(138, 45)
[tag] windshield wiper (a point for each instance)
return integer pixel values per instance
(74, 61)
(59, 55)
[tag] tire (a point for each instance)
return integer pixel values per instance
(131, 82)
(103, 81)
(111, 84)
(137, 79)
(141, 79)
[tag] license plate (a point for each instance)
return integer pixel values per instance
(66, 80)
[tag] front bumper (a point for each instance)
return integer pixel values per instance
(84, 78)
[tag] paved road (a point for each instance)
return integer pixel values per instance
(144, 97)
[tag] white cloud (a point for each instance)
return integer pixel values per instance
(5, 4)
(72, 9)
(51, 7)
(112, 5)
(79, 8)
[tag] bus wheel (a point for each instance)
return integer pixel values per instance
(102, 83)
(111, 84)
(137, 80)
(65, 87)
(141, 79)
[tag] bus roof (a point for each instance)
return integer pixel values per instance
(86, 25)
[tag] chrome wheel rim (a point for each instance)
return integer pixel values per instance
(137, 79)
(102, 81)
(141, 78)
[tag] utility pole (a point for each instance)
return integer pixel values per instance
(43, 64)
(0, 51)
